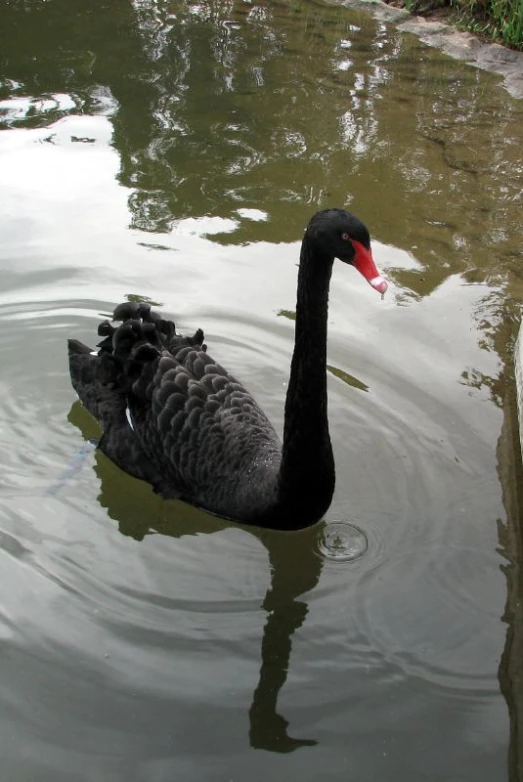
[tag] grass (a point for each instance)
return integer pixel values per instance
(508, 15)
(501, 20)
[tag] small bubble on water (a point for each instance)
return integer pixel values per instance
(342, 542)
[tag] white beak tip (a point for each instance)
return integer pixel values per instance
(379, 284)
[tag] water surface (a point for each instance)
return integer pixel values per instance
(175, 152)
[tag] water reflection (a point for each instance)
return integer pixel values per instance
(295, 569)
(511, 544)
(211, 114)
(235, 121)
(499, 321)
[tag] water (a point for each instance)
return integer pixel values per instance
(176, 152)
(342, 542)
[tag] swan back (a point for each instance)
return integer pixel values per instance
(198, 427)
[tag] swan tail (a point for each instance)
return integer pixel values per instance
(91, 377)
(95, 379)
(77, 348)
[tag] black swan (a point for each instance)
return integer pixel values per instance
(172, 416)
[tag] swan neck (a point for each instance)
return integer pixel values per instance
(307, 468)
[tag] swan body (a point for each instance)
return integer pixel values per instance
(175, 418)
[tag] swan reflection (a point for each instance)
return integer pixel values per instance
(295, 569)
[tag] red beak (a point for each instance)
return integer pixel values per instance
(364, 263)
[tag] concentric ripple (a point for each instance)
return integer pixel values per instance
(341, 542)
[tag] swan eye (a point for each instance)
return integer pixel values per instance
(345, 237)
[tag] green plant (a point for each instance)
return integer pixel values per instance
(499, 19)
(509, 17)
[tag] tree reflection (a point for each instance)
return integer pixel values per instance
(511, 545)
(498, 318)
(285, 108)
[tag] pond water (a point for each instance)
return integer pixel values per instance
(175, 152)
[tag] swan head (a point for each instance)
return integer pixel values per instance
(339, 234)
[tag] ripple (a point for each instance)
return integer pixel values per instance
(341, 542)
(436, 638)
